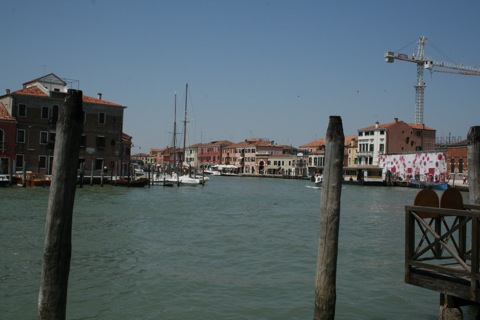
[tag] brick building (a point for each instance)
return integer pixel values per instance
(394, 137)
(7, 139)
(36, 107)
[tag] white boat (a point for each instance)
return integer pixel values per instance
(318, 180)
(139, 172)
(184, 180)
(368, 176)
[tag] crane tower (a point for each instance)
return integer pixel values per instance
(431, 65)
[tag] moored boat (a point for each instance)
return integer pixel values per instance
(4, 180)
(365, 176)
(32, 179)
(437, 185)
(139, 183)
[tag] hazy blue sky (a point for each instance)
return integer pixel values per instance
(255, 68)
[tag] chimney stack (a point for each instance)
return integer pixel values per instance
(8, 91)
(100, 96)
(395, 120)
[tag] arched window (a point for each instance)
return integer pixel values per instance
(460, 166)
(452, 165)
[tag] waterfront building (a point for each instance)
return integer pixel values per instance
(289, 165)
(391, 138)
(211, 153)
(191, 155)
(145, 159)
(315, 151)
(7, 139)
(424, 166)
(456, 158)
(251, 156)
(351, 151)
(36, 108)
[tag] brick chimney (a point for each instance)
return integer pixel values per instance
(99, 96)
(395, 120)
(8, 91)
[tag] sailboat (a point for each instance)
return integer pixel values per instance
(175, 178)
(188, 179)
(169, 180)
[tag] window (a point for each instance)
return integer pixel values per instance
(100, 142)
(54, 118)
(2, 140)
(101, 118)
(22, 110)
(371, 148)
(42, 162)
(98, 164)
(83, 141)
(45, 111)
(452, 165)
(460, 166)
(19, 162)
(382, 147)
(51, 140)
(43, 137)
(20, 136)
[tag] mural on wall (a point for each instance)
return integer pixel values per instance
(429, 166)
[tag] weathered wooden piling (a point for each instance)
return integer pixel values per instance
(473, 158)
(52, 297)
(325, 280)
(82, 174)
(102, 174)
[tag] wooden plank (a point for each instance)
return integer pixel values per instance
(429, 281)
(444, 212)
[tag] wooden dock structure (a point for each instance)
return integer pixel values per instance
(442, 240)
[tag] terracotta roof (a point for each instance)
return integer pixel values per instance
(389, 124)
(315, 143)
(35, 91)
(99, 101)
(31, 91)
(323, 142)
(4, 115)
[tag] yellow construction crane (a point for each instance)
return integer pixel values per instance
(431, 65)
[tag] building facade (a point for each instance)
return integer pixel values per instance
(392, 138)
(7, 140)
(36, 108)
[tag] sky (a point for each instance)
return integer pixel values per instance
(273, 69)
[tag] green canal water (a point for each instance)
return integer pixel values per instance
(237, 248)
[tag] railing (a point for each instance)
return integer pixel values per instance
(442, 250)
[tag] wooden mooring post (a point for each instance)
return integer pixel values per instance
(325, 280)
(473, 158)
(52, 297)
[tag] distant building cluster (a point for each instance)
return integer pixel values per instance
(28, 120)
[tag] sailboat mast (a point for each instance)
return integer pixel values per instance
(185, 126)
(175, 131)
(185, 121)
